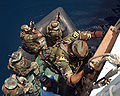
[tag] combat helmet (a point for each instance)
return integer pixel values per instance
(16, 56)
(80, 48)
(25, 28)
(54, 29)
(44, 79)
(54, 25)
(10, 83)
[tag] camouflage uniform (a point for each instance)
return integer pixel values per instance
(17, 86)
(54, 32)
(67, 49)
(21, 65)
(53, 29)
(62, 52)
(32, 41)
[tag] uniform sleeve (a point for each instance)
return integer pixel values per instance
(82, 35)
(63, 65)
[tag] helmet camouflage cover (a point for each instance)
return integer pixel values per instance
(14, 87)
(54, 29)
(80, 48)
(10, 83)
(25, 28)
(54, 25)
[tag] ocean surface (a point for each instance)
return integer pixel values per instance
(85, 14)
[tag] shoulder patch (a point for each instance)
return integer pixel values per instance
(62, 58)
(75, 34)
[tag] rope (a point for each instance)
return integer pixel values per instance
(102, 94)
(105, 54)
(110, 90)
(112, 58)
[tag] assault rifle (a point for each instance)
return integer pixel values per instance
(58, 17)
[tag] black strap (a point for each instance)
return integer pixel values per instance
(71, 83)
(52, 66)
(95, 34)
(48, 63)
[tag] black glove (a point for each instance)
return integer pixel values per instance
(87, 69)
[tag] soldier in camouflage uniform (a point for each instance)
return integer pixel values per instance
(21, 65)
(62, 60)
(32, 41)
(54, 31)
(16, 86)
(72, 46)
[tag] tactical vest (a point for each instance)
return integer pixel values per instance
(64, 49)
